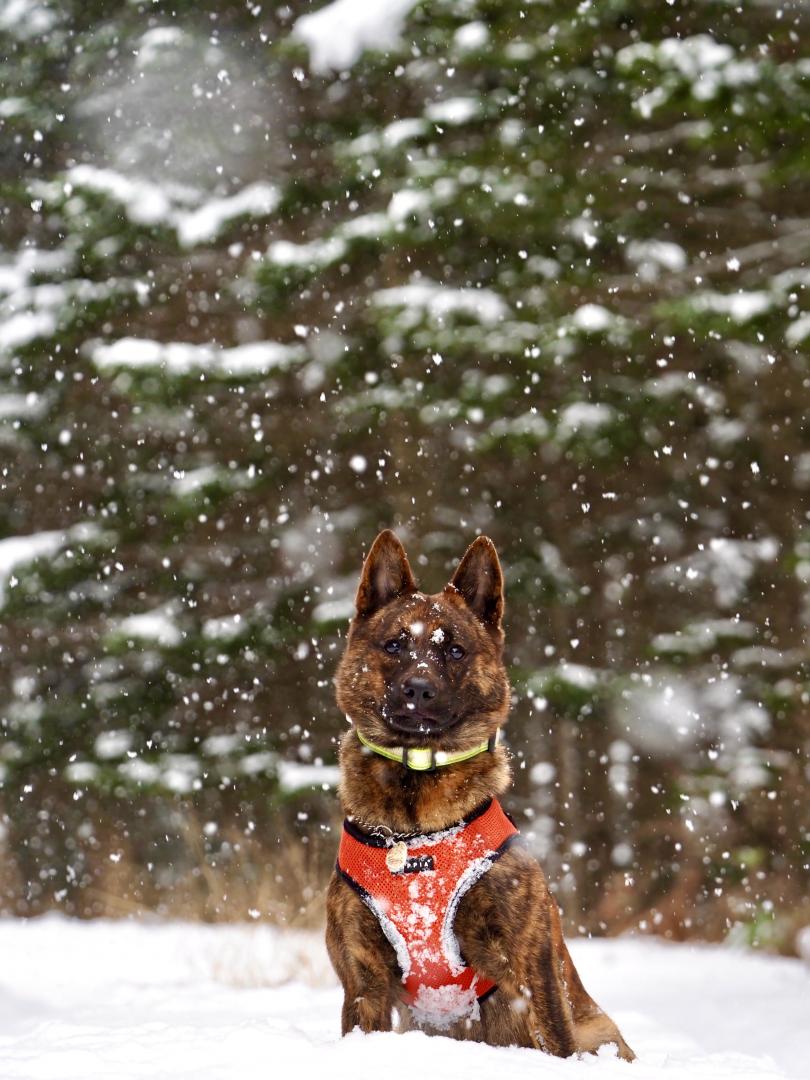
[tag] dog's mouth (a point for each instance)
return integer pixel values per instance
(416, 723)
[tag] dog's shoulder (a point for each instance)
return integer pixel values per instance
(350, 924)
(512, 897)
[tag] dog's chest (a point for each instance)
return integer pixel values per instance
(414, 887)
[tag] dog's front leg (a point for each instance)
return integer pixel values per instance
(549, 1009)
(507, 935)
(529, 987)
(363, 960)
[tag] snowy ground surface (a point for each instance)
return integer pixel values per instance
(123, 1000)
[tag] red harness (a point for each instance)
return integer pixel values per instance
(414, 886)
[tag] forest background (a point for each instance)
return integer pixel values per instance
(537, 270)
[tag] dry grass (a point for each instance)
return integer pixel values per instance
(277, 879)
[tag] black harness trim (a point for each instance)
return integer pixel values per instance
(371, 839)
(368, 900)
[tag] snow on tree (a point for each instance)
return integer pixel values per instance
(535, 270)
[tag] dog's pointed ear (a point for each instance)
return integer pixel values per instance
(479, 581)
(386, 575)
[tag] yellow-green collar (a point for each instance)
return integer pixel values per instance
(425, 758)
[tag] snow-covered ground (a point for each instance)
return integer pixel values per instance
(121, 1000)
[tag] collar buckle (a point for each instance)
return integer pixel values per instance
(419, 758)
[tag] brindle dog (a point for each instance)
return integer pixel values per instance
(401, 684)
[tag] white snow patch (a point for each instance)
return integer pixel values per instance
(12, 106)
(24, 327)
(695, 57)
(542, 773)
(81, 772)
(22, 406)
(179, 773)
(585, 229)
(207, 222)
(705, 64)
(665, 712)
(437, 637)
(578, 675)
(651, 257)
(157, 625)
(725, 432)
(316, 253)
(679, 382)
(294, 775)
(172, 205)
(187, 482)
(113, 744)
(338, 33)
(440, 1007)
(698, 637)
(333, 610)
(407, 202)
(528, 425)
(391, 136)
(138, 771)
(156, 41)
(583, 416)
(147, 999)
(593, 318)
(661, 716)
(24, 19)
(181, 358)
(748, 770)
(458, 110)
(29, 311)
(225, 628)
(727, 564)
(256, 764)
(145, 203)
(399, 131)
(439, 302)
(367, 226)
(741, 306)
(797, 331)
(473, 35)
(222, 744)
(16, 551)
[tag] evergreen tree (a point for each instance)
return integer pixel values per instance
(530, 269)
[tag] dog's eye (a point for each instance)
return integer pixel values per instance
(455, 652)
(392, 647)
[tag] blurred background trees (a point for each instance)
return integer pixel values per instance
(530, 269)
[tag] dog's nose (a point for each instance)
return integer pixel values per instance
(418, 690)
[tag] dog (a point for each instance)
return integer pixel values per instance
(435, 910)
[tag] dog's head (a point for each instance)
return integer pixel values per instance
(424, 670)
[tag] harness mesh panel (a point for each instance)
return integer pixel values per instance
(416, 906)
